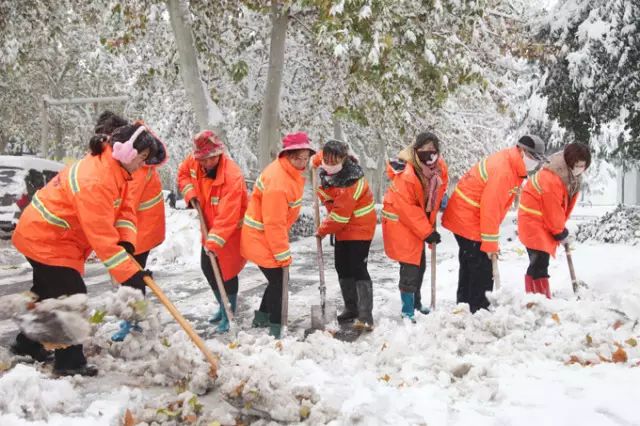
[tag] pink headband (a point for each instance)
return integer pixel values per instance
(125, 152)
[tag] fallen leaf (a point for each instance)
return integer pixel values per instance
(603, 359)
(631, 342)
(128, 418)
(237, 391)
(304, 412)
(165, 342)
(97, 317)
(556, 318)
(384, 346)
(233, 345)
(619, 356)
(279, 345)
(386, 378)
(531, 305)
(191, 418)
(589, 340)
(617, 324)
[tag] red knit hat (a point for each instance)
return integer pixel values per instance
(294, 141)
(206, 144)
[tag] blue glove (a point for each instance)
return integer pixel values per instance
(444, 202)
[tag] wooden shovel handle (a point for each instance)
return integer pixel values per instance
(572, 271)
(214, 265)
(496, 271)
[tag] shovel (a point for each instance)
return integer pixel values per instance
(216, 268)
(213, 372)
(323, 313)
(496, 271)
(572, 272)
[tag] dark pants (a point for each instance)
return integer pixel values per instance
(411, 277)
(50, 282)
(230, 286)
(475, 277)
(351, 260)
(538, 264)
(142, 258)
(272, 298)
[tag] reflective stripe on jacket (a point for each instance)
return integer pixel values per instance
(145, 189)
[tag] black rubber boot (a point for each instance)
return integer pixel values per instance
(365, 304)
(26, 347)
(71, 361)
(350, 297)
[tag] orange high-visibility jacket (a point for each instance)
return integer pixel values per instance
(352, 213)
(483, 196)
(145, 190)
(223, 201)
(405, 222)
(84, 207)
(273, 208)
(544, 208)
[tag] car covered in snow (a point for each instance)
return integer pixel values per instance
(20, 178)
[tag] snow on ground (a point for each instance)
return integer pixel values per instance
(528, 360)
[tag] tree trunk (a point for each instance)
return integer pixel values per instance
(337, 130)
(269, 133)
(208, 114)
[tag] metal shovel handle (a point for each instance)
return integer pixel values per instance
(433, 276)
(319, 253)
(285, 297)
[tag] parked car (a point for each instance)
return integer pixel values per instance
(20, 178)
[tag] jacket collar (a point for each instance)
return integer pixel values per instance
(219, 180)
(517, 162)
(119, 172)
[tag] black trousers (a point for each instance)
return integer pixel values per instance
(230, 286)
(411, 277)
(50, 282)
(272, 298)
(475, 277)
(538, 264)
(351, 260)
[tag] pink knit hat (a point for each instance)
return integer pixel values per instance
(294, 141)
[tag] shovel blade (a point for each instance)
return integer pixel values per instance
(320, 319)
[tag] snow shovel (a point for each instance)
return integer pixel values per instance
(213, 372)
(496, 271)
(284, 317)
(323, 313)
(572, 272)
(216, 268)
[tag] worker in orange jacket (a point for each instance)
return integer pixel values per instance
(478, 206)
(345, 193)
(210, 178)
(83, 209)
(146, 198)
(273, 208)
(419, 180)
(545, 206)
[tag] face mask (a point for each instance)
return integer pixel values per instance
(530, 163)
(331, 170)
(577, 171)
(427, 157)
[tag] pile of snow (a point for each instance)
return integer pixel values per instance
(622, 225)
(156, 354)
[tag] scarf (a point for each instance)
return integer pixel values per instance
(558, 166)
(428, 175)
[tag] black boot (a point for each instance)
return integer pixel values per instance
(71, 361)
(350, 297)
(27, 347)
(365, 305)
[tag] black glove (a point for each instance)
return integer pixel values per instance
(127, 246)
(561, 236)
(433, 238)
(137, 280)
